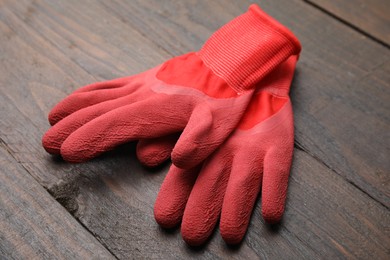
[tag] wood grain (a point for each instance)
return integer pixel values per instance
(341, 98)
(33, 225)
(371, 17)
(339, 192)
(43, 61)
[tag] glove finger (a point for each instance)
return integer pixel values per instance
(241, 193)
(146, 119)
(196, 142)
(81, 99)
(153, 152)
(277, 163)
(205, 202)
(173, 195)
(56, 135)
(207, 128)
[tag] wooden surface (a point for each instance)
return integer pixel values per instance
(339, 192)
(369, 17)
(33, 225)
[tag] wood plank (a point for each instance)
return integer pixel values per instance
(341, 98)
(71, 43)
(371, 17)
(329, 211)
(35, 226)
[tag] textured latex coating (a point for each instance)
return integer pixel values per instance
(143, 107)
(253, 159)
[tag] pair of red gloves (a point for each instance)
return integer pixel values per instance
(222, 114)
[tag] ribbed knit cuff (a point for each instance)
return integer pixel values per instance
(246, 49)
(278, 81)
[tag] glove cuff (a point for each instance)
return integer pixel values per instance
(246, 49)
(278, 82)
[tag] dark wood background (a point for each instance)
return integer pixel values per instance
(339, 192)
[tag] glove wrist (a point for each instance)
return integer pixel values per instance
(246, 49)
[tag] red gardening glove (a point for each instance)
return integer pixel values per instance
(258, 154)
(203, 94)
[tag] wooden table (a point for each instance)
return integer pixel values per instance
(339, 191)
